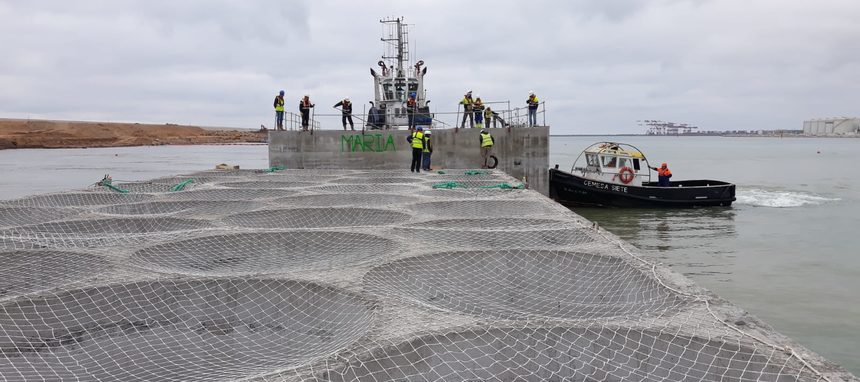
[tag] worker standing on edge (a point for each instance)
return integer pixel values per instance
(417, 141)
(428, 150)
(305, 106)
(346, 113)
(411, 108)
(487, 142)
(663, 175)
(478, 107)
(467, 110)
(279, 110)
(533, 103)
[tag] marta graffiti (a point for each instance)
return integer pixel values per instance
(367, 143)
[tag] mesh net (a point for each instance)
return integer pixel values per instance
(336, 275)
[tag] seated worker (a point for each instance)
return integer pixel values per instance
(663, 175)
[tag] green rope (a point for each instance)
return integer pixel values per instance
(449, 185)
(181, 186)
(275, 168)
(441, 172)
(476, 172)
(106, 182)
(506, 186)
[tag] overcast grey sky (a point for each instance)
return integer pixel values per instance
(600, 64)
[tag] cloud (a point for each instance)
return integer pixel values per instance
(600, 65)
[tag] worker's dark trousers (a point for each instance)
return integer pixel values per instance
(347, 117)
(416, 159)
(471, 117)
(305, 117)
(411, 117)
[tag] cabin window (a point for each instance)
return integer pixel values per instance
(623, 162)
(591, 160)
(636, 164)
(610, 162)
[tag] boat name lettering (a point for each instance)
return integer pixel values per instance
(367, 142)
(604, 186)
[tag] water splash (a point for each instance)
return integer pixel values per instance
(779, 199)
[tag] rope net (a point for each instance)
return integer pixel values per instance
(323, 275)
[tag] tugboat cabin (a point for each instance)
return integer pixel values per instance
(614, 163)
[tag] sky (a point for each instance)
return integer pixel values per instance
(600, 65)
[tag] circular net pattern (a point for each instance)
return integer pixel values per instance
(375, 180)
(317, 218)
(269, 184)
(366, 188)
(292, 275)
(182, 208)
(483, 208)
(263, 253)
(177, 330)
(519, 284)
(78, 199)
(566, 354)
(101, 232)
(229, 194)
(353, 200)
(37, 270)
(12, 216)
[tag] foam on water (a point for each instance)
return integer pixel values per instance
(779, 199)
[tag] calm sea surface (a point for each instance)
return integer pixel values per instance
(787, 250)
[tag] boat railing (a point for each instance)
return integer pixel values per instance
(504, 116)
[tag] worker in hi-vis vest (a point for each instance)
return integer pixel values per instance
(467, 110)
(416, 139)
(428, 150)
(279, 110)
(487, 142)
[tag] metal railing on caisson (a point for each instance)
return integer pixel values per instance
(506, 117)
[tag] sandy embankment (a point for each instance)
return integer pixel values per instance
(22, 133)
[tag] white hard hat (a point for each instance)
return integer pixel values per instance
(531, 92)
(346, 98)
(427, 132)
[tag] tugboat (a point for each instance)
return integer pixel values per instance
(618, 175)
(398, 80)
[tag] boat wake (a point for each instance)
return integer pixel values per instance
(778, 199)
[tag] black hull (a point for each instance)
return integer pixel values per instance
(570, 189)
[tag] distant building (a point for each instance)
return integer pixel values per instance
(832, 126)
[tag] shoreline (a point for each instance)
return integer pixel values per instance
(57, 134)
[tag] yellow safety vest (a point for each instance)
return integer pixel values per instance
(417, 140)
(486, 140)
(427, 146)
(280, 106)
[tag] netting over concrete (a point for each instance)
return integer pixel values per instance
(337, 275)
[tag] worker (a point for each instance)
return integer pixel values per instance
(305, 106)
(467, 110)
(417, 141)
(373, 117)
(533, 103)
(663, 175)
(428, 150)
(279, 110)
(346, 113)
(411, 108)
(492, 116)
(478, 107)
(487, 142)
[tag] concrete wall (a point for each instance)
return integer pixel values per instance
(522, 152)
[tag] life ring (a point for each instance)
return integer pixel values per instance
(495, 162)
(626, 175)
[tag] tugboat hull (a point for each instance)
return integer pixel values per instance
(570, 189)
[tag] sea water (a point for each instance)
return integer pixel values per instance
(787, 250)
